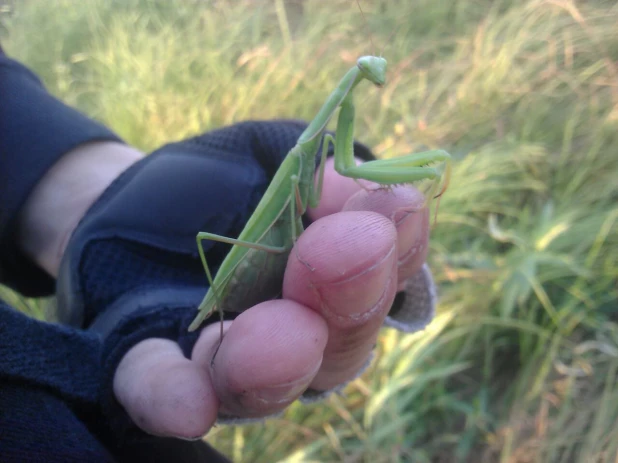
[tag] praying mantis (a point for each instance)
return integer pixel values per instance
(252, 272)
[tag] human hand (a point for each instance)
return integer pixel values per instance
(136, 279)
(339, 285)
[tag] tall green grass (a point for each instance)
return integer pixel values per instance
(520, 363)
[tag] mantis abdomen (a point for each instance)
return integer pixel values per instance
(259, 277)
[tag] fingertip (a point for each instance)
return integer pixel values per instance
(406, 208)
(345, 268)
(336, 190)
(163, 392)
(341, 253)
(268, 357)
(189, 404)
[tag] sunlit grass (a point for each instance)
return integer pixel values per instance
(520, 363)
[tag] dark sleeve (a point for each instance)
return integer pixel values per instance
(50, 383)
(36, 425)
(61, 359)
(48, 373)
(36, 129)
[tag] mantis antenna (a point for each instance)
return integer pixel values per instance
(392, 34)
(368, 28)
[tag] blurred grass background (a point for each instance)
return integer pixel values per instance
(521, 362)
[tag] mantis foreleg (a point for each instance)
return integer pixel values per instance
(201, 236)
(404, 169)
(316, 193)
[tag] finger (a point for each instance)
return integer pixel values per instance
(344, 266)
(336, 190)
(406, 208)
(268, 357)
(404, 205)
(165, 393)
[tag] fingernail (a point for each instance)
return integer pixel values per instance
(189, 439)
(412, 233)
(399, 216)
(411, 222)
(287, 391)
(281, 393)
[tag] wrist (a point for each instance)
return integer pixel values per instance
(64, 194)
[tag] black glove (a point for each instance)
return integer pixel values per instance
(131, 270)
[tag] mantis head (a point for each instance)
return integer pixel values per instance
(373, 69)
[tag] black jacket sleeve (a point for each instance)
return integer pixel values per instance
(36, 129)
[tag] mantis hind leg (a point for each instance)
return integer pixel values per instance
(296, 229)
(201, 236)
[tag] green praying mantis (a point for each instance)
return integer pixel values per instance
(252, 272)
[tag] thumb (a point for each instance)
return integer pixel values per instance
(165, 393)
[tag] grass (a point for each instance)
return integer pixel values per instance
(521, 362)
